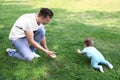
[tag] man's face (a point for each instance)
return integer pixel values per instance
(46, 20)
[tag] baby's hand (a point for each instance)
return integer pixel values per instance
(78, 51)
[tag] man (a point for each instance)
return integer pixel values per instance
(26, 34)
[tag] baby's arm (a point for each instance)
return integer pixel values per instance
(78, 51)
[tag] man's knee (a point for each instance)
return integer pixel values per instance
(28, 58)
(41, 32)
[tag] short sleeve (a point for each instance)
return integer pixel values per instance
(27, 26)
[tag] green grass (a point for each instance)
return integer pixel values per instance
(72, 23)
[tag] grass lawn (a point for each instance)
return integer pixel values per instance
(74, 20)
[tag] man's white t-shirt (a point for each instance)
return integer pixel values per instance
(25, 22)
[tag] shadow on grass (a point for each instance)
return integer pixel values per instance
(65, 34)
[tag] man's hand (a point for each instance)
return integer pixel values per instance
(51, 54)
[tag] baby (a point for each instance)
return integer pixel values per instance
(95, 56)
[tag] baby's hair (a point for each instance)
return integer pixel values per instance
(89, 42)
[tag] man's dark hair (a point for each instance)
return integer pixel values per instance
(45, 12)
(89, 42)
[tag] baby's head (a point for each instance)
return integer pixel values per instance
(88, 42)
